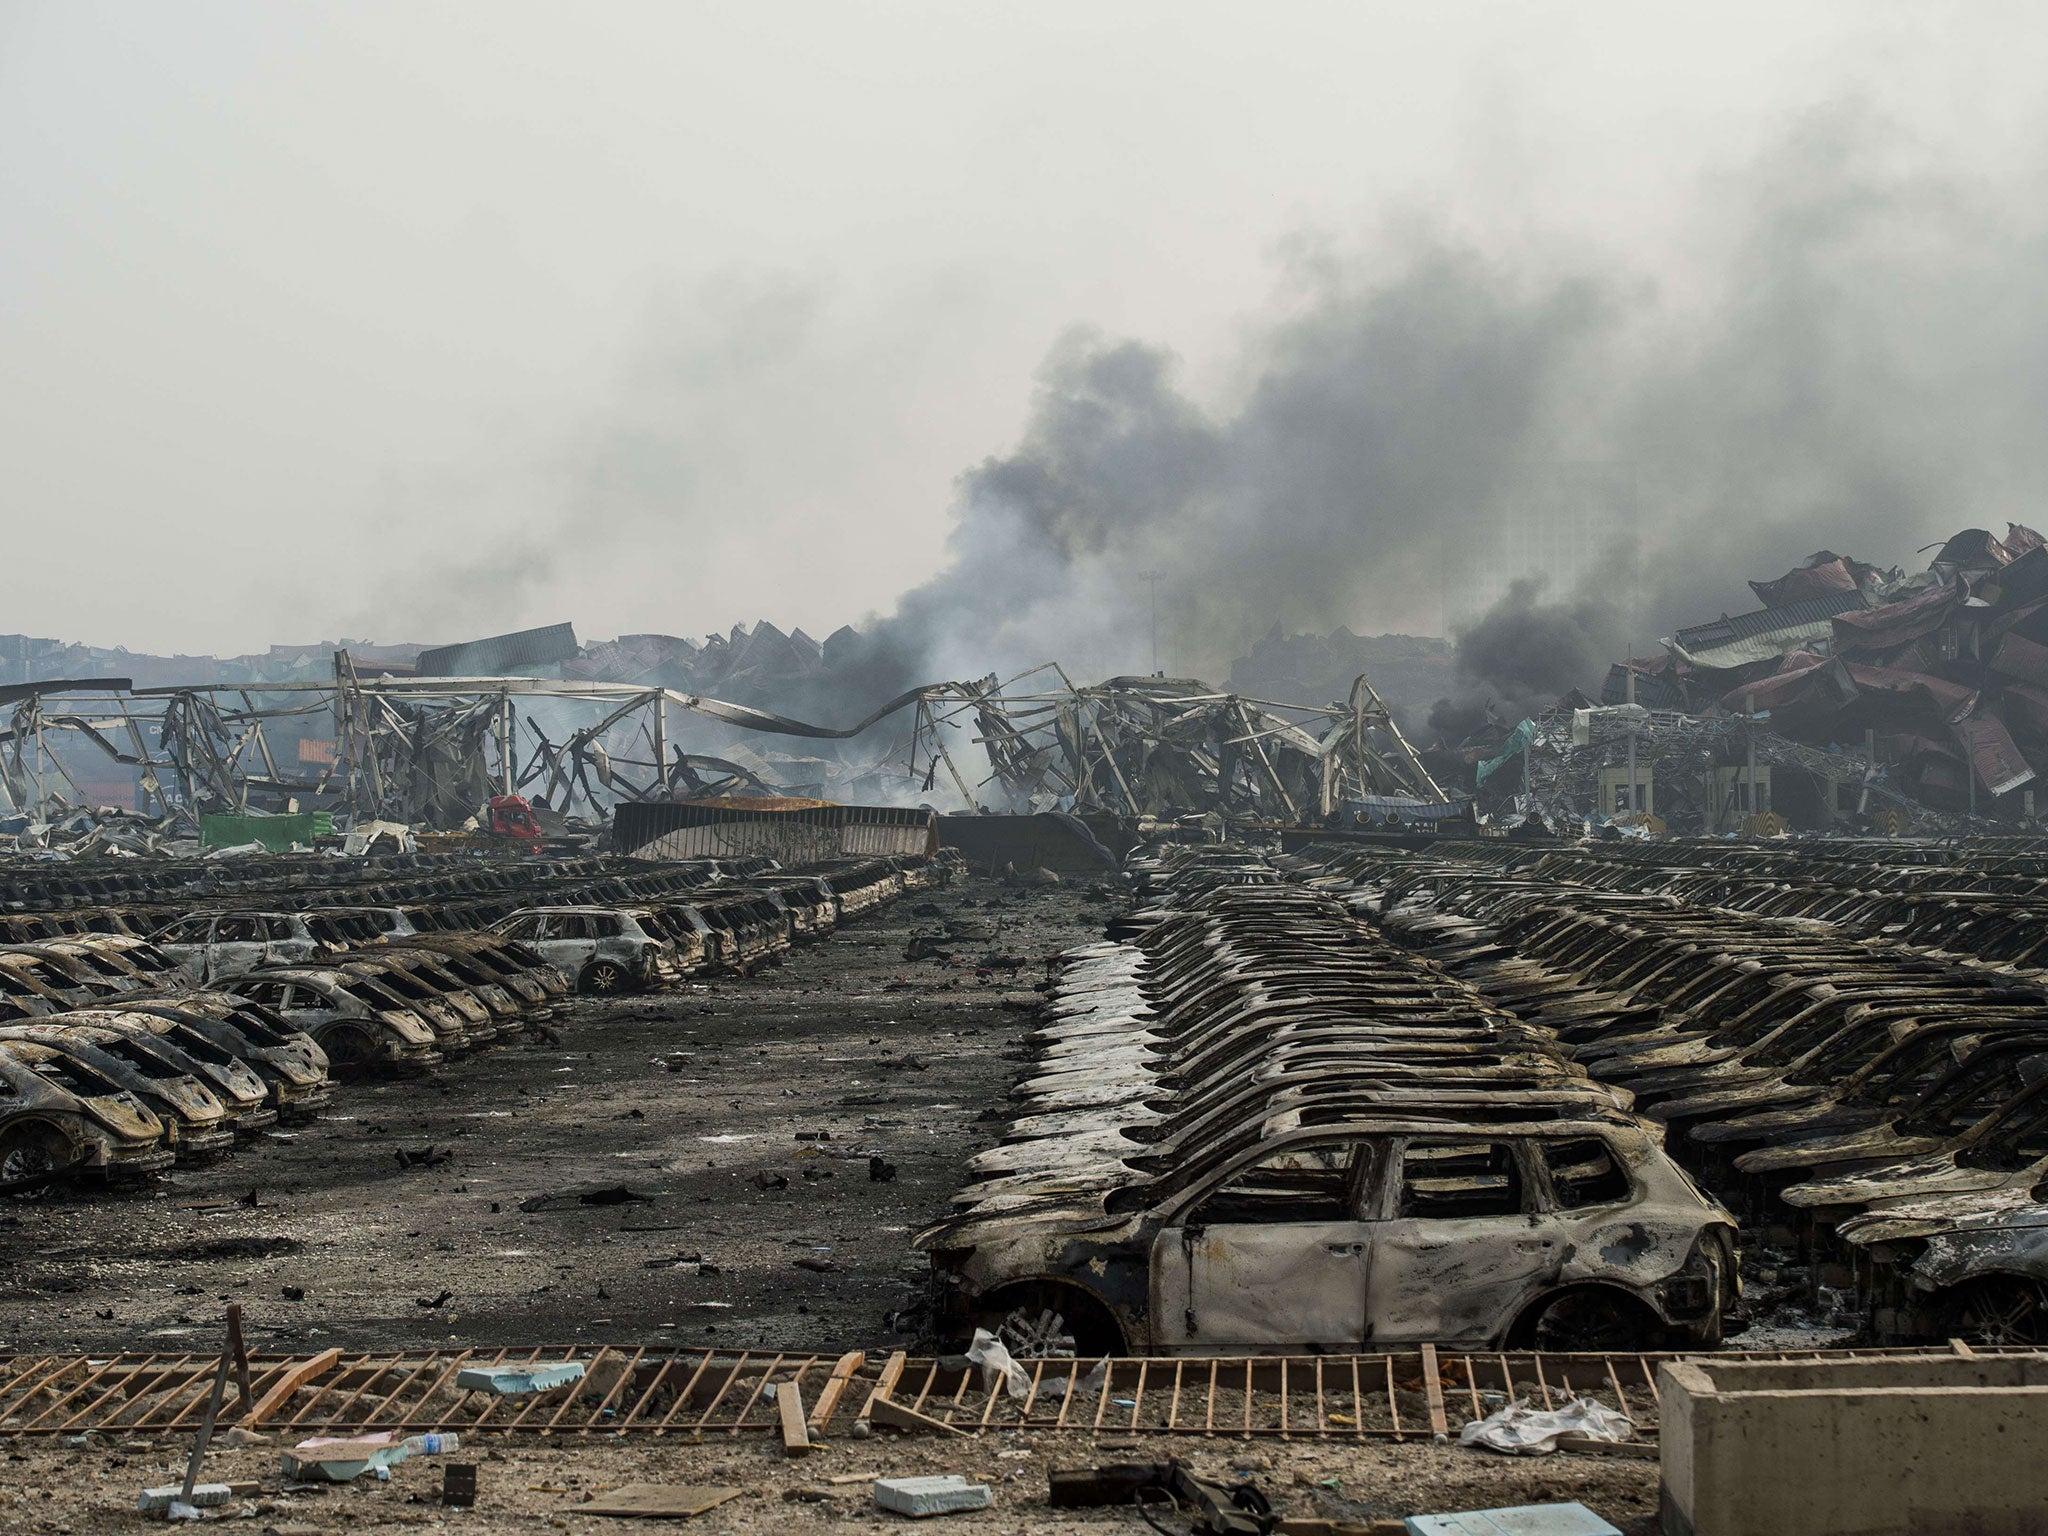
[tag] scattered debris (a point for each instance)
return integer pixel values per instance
(1517, 1429)
(517, 1381)
(344, 1459)
(657, 1501)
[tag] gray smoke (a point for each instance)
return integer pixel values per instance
(1529, 649)
(1856, 357)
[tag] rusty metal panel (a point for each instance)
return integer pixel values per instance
(805, 835)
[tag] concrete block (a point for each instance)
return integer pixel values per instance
(157, 1501)
(1522, 1520)
(921, 1496)
(1882, 1444)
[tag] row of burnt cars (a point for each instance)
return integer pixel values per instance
(135, 1036)
(1254, 1125)
(1840, 1041)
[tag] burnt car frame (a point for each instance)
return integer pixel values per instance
(1367, 1232)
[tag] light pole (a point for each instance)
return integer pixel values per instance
(1152, 578)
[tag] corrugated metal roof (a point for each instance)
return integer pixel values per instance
(1728, 629)
(497, 655)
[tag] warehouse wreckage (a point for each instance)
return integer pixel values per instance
(428, 751)
(1855, 699)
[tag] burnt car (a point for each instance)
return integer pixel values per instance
(196, 1122)
(515, 967)
(58, 1114)
(1367, 1230)
(213, 946)
(178, 1049)
(293, 1068)
(459, 1020)
(1972, 1266)
(605, 949)
(357, 1023)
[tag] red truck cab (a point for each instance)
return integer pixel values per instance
(512, 817)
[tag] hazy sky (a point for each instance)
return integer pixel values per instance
(413, 321)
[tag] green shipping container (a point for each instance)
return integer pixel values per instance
(278, 832)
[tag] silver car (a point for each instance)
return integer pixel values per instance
(603, 949)
(213, 946)
(1356, 1232)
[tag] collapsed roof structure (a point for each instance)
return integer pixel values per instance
(1158, 746)
(430, 749)
(1941, 676)
(1855, 696)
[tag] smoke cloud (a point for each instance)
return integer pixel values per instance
(1856, 356)
(1529, 649)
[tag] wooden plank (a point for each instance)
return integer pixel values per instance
(892, 1372)
(789, 1407)
(294, 1378)
(1433, 1388)
(890, 1414)
(1584, 1445)
(849, 1366)
(657, 1501)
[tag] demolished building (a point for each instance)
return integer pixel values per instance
(1942, 676)
(1855, 697)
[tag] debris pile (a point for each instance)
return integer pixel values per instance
(1942, 676)
(1170, 747)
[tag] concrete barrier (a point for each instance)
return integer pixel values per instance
(1883, 1446)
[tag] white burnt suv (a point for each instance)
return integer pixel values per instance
(601, 949)
(1363, 1230)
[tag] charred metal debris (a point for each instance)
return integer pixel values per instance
(1848, 1042)
(422, 753)
(1254, 1125)
(1854, 699)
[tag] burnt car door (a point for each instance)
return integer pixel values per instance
(1462, 1245)
(237, 944)
(287, 939)
(566, 939)
(1272, 1255)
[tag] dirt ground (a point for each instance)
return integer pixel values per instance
(694, 1100)
(524, 1487)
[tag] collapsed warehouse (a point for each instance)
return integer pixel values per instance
(1854, 699)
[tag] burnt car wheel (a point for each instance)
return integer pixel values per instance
(28, 1153)
(2004, 1309)
(350, 1051)
(1036, 1334)
(604, 978)
(1052, 1321)
(1594, 1322)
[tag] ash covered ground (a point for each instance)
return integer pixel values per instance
(693, 1100)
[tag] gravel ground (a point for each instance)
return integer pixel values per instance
(694, 1099)
(527, 1488)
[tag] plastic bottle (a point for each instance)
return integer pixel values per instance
(431, 1445)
